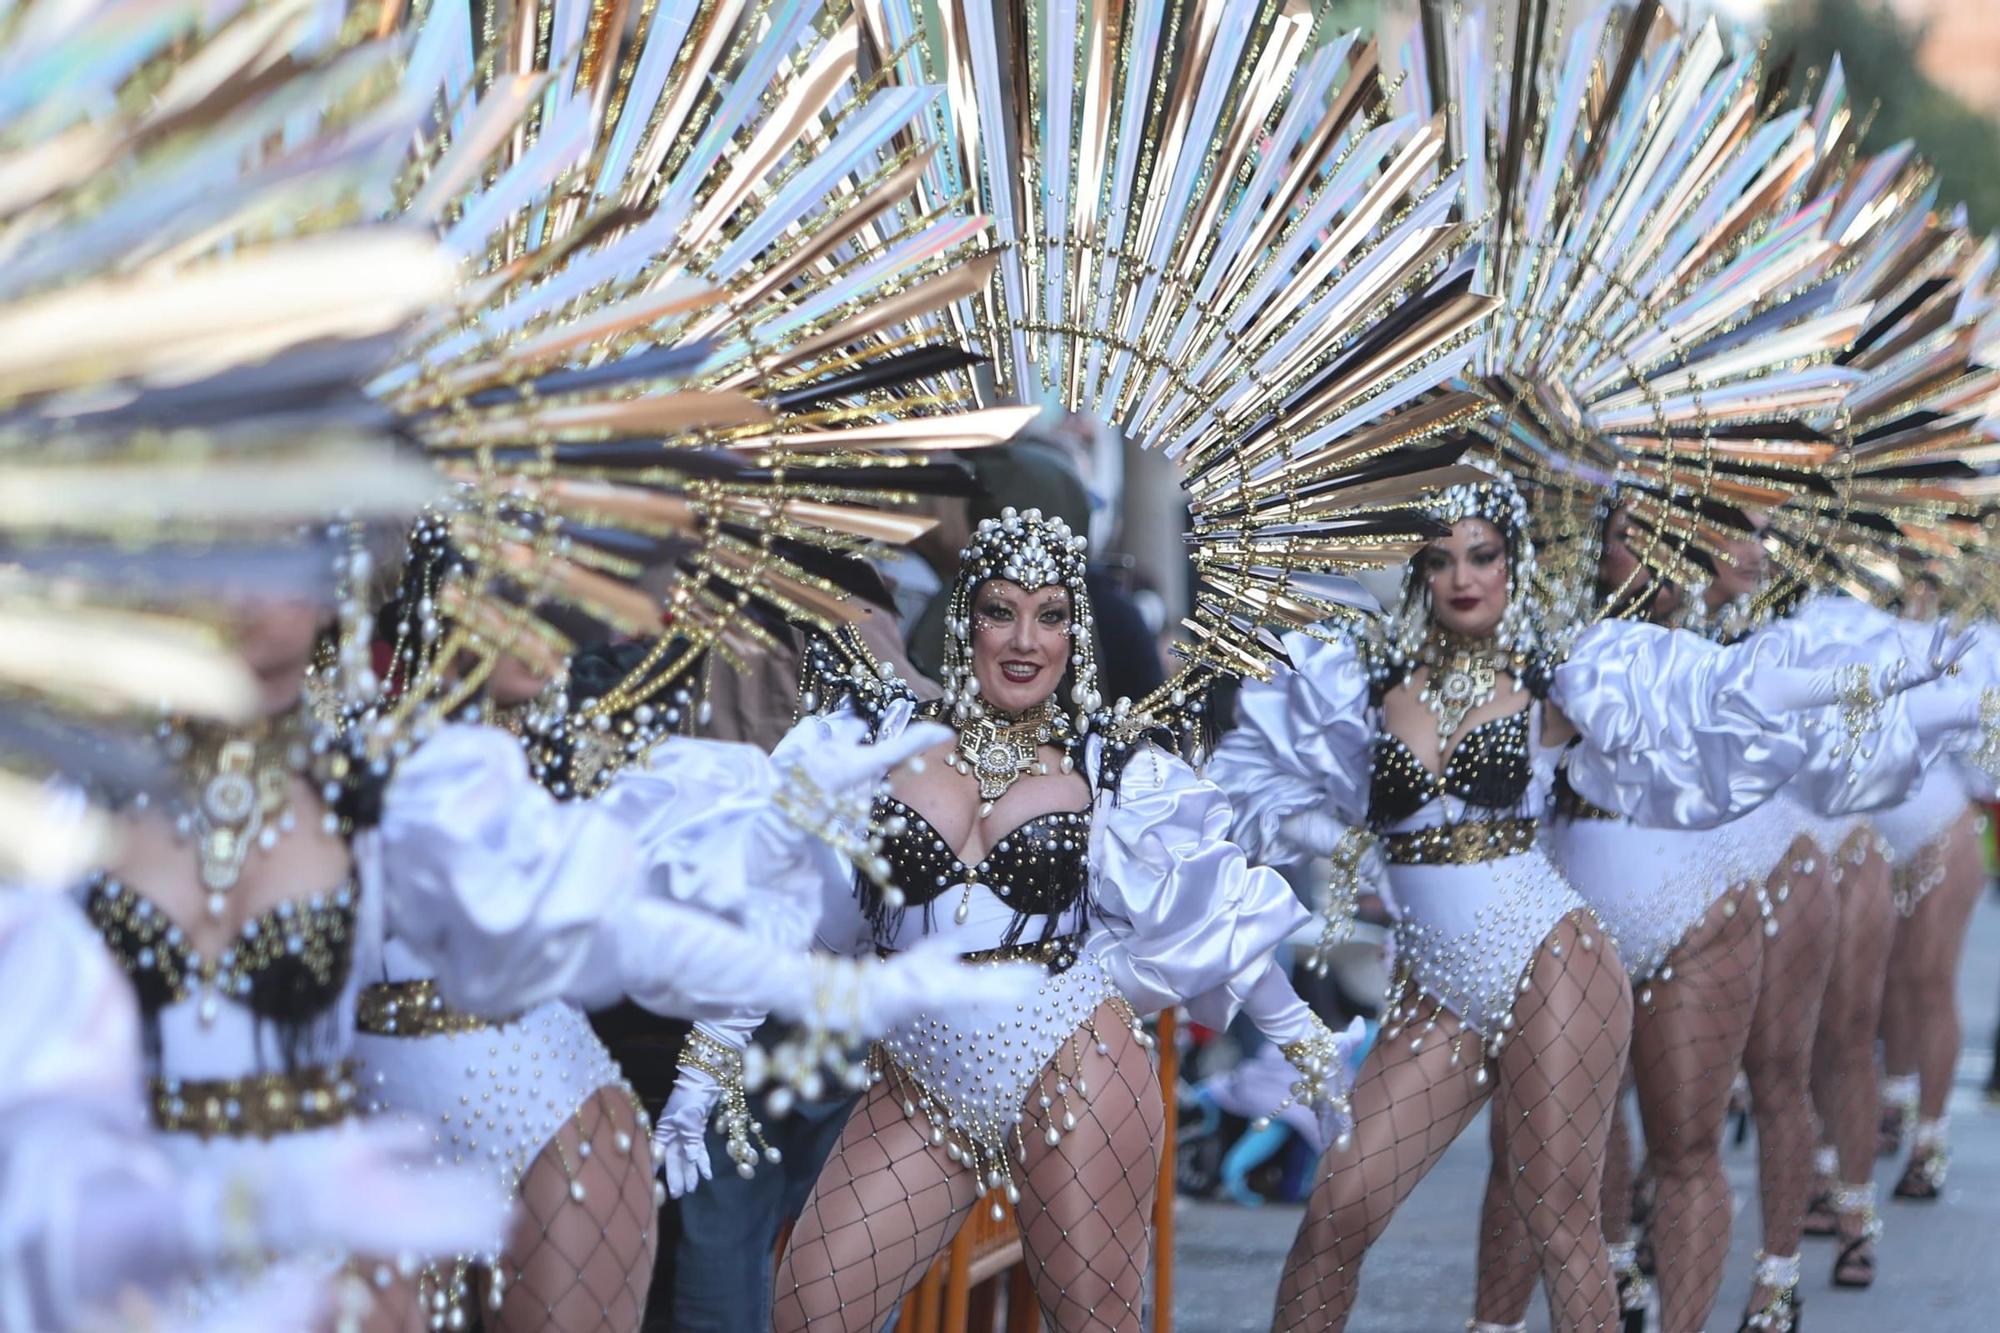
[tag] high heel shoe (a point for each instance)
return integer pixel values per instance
(1923, 1176)
(1854, 1266)
(1633, 1287)
(1780, 1310)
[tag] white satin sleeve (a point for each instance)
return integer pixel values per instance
(1673, 730)
(1301, 743)
(1183, 916)
(516, 899)
(710, 836)
(73, 1136)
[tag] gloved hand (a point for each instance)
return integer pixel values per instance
(1945, 652)
(680, 1135)
(863, 999)
(1331, 1107)
(826, 794)
(1313, 831)
(835, 767)
(370, 1189)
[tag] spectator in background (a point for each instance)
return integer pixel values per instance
(916, 573)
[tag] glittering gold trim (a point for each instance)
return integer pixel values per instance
(413, 1009)
(1467, 843)
(263, 1106)
(1571, 804)
(1057, 955)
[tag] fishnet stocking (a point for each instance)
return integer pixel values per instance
(1778, 1057)
(890, 1199)
(1843, 1063)
(885, 1205)
(1688, 1037)
(1920, 1029)
(1557, 1077)
(1619, 1173)
(1086, 1207)
(580, 1255)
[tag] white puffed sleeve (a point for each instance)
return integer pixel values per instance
(710, 837)
(1300, 747)
(1905, 735)
(515, 898)
(1183, 917)
(1675, 731)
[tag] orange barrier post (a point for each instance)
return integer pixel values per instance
(1163, 1203)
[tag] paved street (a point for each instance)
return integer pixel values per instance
(1937, 1260)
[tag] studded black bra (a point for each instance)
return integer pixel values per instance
(1041, 869)
(288, 966)
(1489, 767)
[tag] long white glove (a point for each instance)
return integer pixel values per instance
(865, 998)
(1793, 688)
(370, 1189)
(680, 1135)
(1317, 1054)
(1332, 1108)
(1313, 831)
(1946, 651)
(827, 785)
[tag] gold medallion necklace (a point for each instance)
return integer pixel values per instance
(999, 751)
(1463, 675)
(242, 786)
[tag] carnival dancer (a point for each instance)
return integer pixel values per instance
(1687, 910)
(249, 986)
(1048, 829)
(1505, 976)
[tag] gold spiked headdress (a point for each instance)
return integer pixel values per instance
(187, 304)
(1652, 225)
(700, 344)
(1920, 411)
(1211, 233)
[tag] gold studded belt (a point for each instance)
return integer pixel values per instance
(262, 1106)
(1466, 843)
(1057, 955)
(1570, 805)
(412, 1009)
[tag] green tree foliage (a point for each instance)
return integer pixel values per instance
(1879, 51)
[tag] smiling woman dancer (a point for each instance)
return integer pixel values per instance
(1044, 831)
(1443, 740)
(1687, 909)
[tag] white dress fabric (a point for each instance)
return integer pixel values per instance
(490, 1098)
(1650, 887)
(1175, 915)
(1911, 827)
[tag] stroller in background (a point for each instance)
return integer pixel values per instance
(1228, 1145)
